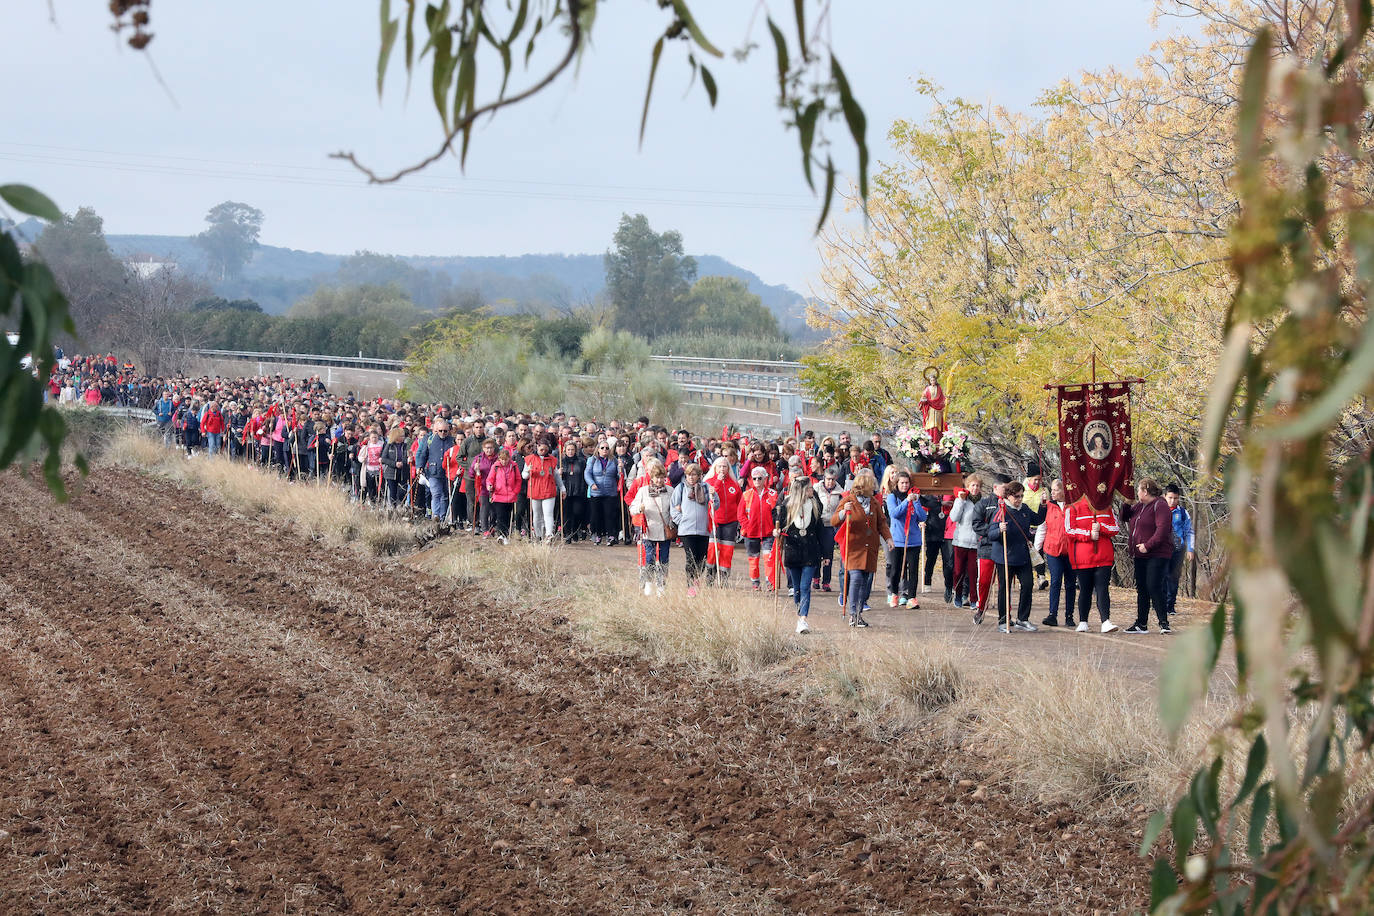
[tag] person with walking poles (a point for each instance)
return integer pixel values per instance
(798, 527)
(1011, 531)
(865, 534)
(756, 524)
(654, 502)
(724, 491)
(544, 487)
(1091, 554)
(573, 492)
(906, 516)
(430, 461)
(1183, 544)
(1152, 547)
(603, 477)
(1052, 540)
(829, 492)
(690, 508)
(164, 410)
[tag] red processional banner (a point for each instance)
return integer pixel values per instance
(1095, 441)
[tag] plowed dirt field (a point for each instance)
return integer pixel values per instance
(202, 714)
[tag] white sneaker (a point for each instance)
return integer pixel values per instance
(658, 590)
(648, 589)
(1083, 627)
(803, 626)
(1109, 627)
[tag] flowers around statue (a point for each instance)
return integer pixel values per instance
(915, 443)
(954, 445)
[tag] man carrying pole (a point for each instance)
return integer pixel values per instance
(1011, 555)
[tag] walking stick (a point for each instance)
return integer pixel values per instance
(777, 549)
(844, 560)
(906, 541)
(715, 541)
(1006, 569)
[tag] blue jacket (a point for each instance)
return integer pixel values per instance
(163, 409)
(905, 534)
(429, 458)
(601, 475)
(1183, 527)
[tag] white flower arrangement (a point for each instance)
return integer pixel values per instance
(954, 444)
(914, 442)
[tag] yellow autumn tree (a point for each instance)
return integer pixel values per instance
(1011, 248)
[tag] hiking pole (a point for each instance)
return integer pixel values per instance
(844, 560)
(1006, 570)
(777, 548)
(715, 538)
(906, 541)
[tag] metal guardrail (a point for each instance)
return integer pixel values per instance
(730, 363)
(693, 363)
(129, 413)
(304, 359)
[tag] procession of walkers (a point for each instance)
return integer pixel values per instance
(813, 515)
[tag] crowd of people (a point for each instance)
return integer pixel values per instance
(804, 508)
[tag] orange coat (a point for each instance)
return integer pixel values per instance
(860, 540)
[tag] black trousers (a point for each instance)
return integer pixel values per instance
(605, 515)
(574, 510)
(903, 569)
(1094, 581)
(944, 552)
(500, 516)
(1151, 577)
(694, 546)
(1022, 573)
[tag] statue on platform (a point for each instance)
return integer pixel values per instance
(933, 405)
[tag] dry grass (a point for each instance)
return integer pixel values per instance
(319, 511)
(910, 682)
(1080, 733)
(715, 630)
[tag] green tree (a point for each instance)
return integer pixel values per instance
(89, 275)
(232, 237)
(724, 305)
(647, 276)
(367, 301)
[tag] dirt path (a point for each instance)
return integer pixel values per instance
(201, 714)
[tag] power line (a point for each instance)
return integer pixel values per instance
(346, 178)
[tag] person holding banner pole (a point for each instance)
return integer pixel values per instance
(983, 515)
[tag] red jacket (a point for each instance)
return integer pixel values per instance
(453, 462)
(213, 422)
(543, 476)
(727, 489)
(1056, 532)
(1084, 552)
(756, 512)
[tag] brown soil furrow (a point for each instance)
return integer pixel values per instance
(850, 804)
(686, 788)
(394, 728)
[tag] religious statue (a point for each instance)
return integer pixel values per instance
(933, 405)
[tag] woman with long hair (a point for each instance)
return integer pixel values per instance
(798, 526)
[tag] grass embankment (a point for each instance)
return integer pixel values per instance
(321, 512)
(1078, 734)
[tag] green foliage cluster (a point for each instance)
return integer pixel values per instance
(231, 237)
(31, 300)
(1291, 830)
(648, 278)
(333, 321)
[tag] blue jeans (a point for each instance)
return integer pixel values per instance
(438, 497)
(799, 580)
(212, 441)
(860, 585)
(1061, 574)
(655, 561)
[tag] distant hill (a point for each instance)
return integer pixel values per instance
(277, 277)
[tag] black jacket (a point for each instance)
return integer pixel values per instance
(395, 460)
(571, 470)
(799, 548)
(936, 516)
(1020, 534)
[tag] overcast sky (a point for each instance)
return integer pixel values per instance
(258, 93)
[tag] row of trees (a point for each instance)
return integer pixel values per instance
(653, 288)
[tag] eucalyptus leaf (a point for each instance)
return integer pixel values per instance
(28, 200)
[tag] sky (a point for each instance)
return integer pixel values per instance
(253, 95)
